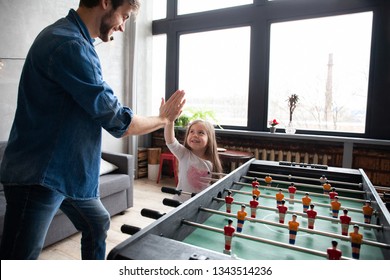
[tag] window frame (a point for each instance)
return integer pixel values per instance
(259, 16)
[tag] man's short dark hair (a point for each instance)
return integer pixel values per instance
(115, 3)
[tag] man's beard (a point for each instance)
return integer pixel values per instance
(105, 27)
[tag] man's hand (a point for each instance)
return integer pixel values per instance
(172, 109)
(169, 112)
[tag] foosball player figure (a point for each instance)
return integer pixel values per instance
(306, 200)
(282, 211)
(367, 212)
(255, 183)
(253, 204)
(345, 220)
(326, 187)
(323, 179)
(356, 242)
(228, 231)
(292, 190)
(279, 197)
(241, 218)
(229, 200)
(335, 205)
(268, 180)
(333, 194)
(311, 216)
(333, 252)
(256, 192)
(293, 229)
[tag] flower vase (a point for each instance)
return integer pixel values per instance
(272, 129)
(290, 128)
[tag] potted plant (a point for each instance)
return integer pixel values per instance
(191, 115)
(292, 101)
(273, 123)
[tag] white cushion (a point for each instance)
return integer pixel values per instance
(106, 167)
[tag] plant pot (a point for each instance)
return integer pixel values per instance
(290, 128)
(272, 129)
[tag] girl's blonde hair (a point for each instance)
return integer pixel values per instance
(211, 149)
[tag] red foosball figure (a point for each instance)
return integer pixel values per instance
(332, 194)
(326, 187)
(293, 229)
(279, 197)
(367, 212)
(268, 180)
(335, 206)
(345, 221)
(311, 216)
(228, 231)
(306, 200)
(282, 211)
(229, 200)
(333, 252)
(292, 190)
(241, 218)
(253, 204)
(255, 183)
(356, 242)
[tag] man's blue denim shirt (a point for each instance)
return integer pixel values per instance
(63, 103)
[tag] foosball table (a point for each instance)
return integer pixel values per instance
(273, 196)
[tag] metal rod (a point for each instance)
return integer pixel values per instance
(304, 214)
(333, 235)
(308, 185)
(295, 200)
(303, 192)
(306, 178)
(263, 240)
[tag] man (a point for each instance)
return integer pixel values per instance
(53, 154)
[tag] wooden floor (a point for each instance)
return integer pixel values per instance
(147, 194)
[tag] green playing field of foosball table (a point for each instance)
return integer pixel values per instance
(267, 226)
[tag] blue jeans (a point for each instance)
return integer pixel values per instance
(29, 212)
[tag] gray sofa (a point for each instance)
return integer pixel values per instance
(116, 193)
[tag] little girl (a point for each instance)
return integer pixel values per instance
(197, 158)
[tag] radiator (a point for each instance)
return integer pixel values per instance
(283, 155)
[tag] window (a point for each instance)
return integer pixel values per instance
(158, 70)
(325, 61)
(242, 59)
(194, 6)
(214, 71)
(159, 9)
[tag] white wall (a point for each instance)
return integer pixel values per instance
(20, 22)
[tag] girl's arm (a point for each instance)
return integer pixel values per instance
(169, 132)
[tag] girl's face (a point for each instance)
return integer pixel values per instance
(197, 137)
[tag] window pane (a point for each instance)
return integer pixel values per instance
(325, 61)
(159, 9)
(214, 72)
(194, 6)
(158, 70)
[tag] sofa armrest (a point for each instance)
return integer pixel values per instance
(125, 162)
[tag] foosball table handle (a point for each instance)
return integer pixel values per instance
(171, 202)
(128, 229)
(170, 190)
(153, 214)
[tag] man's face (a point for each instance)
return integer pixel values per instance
(114, 20)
